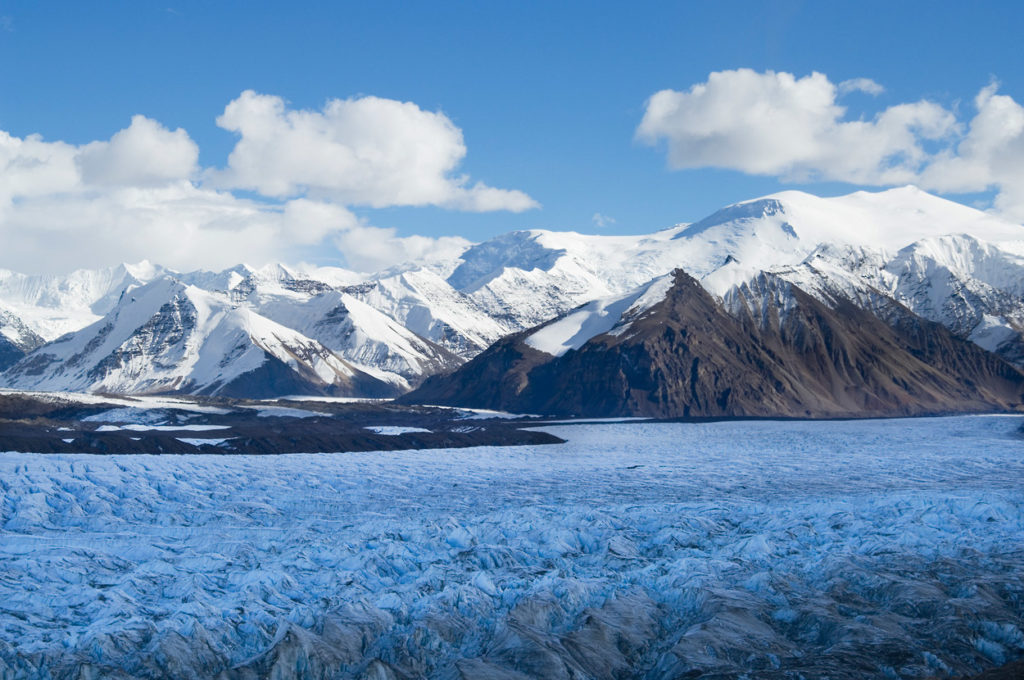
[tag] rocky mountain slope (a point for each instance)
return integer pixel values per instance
(670, 349)
(898, 249)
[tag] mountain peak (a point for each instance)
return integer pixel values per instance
(947, 262)
(737, 212)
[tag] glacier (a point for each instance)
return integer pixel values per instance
(758, 549)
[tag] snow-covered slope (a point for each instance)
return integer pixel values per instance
(16, 338)
(17, 332)
(527, 277)
(606, 315)
(52, 305)
(430, 307)
(300, 309)
(786, 227)
(168, 336)
(946, 262)
(367, 338)
(973, 288)
(361, 334)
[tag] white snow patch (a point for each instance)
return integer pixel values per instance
(201, 442)
(136, 427)
(576, 328)
(485, 414)
(394, 429)
(284, 412)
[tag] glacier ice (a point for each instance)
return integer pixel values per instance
(636, 550)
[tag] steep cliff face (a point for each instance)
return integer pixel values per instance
(792, 355)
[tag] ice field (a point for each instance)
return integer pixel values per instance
(636, 550)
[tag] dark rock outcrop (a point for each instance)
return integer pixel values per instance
(10, 353)
(687, 356)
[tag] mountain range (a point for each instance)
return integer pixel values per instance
(895, 302)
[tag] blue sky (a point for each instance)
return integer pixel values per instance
(548, 96)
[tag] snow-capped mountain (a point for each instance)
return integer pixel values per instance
(974, 288)
(786, 227)
(431, 307)
(52, 305)
(361, 334)
(946, 262)
(16, 338)
(786, 268)
(527, 277)
(897, 249)
(171, 336)
(971, 287)
(327, 313)
(670, 349)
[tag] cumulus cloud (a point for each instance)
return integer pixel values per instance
(185, 227)
(778, 124)
(141, 194)
(144, 153)
(178, 224)
(370, 249)
(794, 128)
(990, 155)
(362, 246)
(363, 151)
(33, 167)
(865, 85)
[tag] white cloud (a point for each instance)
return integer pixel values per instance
(370, 249)
(779, 125)
(776, 124)
(362, 246)
(142, 195)
(363, 151)
(32, 167)
(601, 221)
(186, 227)
(865, 85)
(144, 153)
(990, 155)
(177, 224)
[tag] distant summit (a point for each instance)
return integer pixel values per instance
(894, 281)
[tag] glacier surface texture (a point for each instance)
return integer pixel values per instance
(722, 550)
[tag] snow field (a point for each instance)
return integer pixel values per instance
(839, 549)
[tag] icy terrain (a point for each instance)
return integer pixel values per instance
(332, 331)
(777, 549)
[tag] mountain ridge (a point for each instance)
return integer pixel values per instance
(939, 261)
(686, 356)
